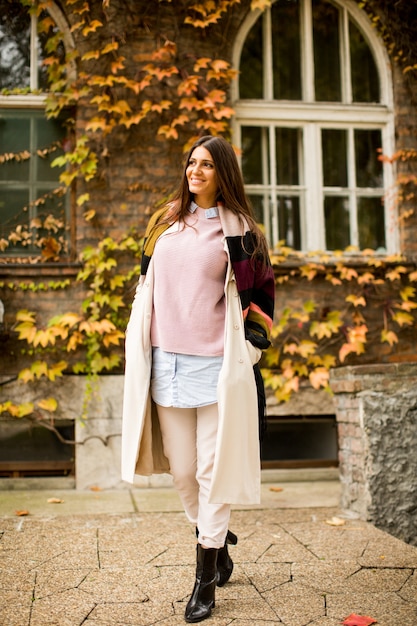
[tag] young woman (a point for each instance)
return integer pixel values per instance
(201, 316)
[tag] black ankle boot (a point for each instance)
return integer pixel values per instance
(202, 599)
(224, 562)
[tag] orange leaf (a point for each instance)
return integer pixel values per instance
(92, 27)
(22, 513)
(201, 63)
(319, 377)
(359, 620)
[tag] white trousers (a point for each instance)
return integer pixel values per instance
(189, 440)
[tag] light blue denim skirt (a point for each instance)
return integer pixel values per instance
(183, 380)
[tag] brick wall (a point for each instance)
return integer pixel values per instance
(139, 169)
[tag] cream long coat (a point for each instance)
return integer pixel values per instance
(236, 472)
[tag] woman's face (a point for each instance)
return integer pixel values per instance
(202, 178)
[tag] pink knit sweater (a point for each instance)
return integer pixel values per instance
(190, 270)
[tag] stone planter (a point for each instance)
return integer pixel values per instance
(376, 413)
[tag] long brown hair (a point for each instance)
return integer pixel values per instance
(231, 192)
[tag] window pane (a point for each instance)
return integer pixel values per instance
(12, 202)
(258, 203)
(326, 52)
(47, 133)
(334, 147)
(14, 45)
(368, 166)
(286, 50)
(336, 215)
(251, 64)
(14, 138)
(27, 186)
(371, 223)
(254, 144)
(365, 79)
(289, 221)
(287, 142)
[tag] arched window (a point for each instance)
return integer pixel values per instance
(27, 181)
(313, 115)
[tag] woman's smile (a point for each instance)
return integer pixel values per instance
(202, 177)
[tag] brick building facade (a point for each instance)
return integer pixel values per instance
(285, 104)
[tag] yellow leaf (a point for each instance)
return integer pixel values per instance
(25, 316)
(39, 368)
(43, 337)
(113, 338)
(96, 123)
(68, 319)
(26, 375)
(91, 54)
(335, 521)
(356, 300)
(27, 331)
(290, 348)
(57, 370)
(24, 409)
(402, 318)
(407, 292)
(48, 404)
(346, 273)
(74, 341)
(395, 273)
(168, 131)
(308, 271)
(83, 198)
(333, 280)
(389, 336)
(306, 348)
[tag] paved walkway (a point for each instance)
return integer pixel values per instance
(126, 558)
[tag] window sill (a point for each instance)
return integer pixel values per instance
(64, 269)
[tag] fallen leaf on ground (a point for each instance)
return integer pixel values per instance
(55, 501)
(22, 513)
(276, 489)
(359, 620)
(95, 488)
(336, 521)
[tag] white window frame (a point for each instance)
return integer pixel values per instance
(311, 117)
(32, 101)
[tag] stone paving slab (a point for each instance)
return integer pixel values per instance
(285, 495)
(137, 569)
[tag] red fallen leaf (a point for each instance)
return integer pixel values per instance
(359, 620)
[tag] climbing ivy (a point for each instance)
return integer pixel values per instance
(307, 340)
